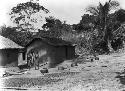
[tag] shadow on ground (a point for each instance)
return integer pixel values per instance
(28, 82)
(121, 76)
(39, 81)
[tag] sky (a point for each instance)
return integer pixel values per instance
(65, 10)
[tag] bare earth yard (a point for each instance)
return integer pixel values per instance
(106, 74)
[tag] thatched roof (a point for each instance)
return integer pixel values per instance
(52, 41)
(56, 42)
(6, 43)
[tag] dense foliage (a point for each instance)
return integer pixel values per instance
(97, 32)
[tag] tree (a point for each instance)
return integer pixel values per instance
(119, 33)
(56, 27)
(120, 15)
(85, 23)
(53, 26)
(24, 15)
(102, 13)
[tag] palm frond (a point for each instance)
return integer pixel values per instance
(93, 10)
(114, 4)
(100, 8)
(106, 8)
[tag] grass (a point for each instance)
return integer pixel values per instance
(97, 75)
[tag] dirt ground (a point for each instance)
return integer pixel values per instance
(105, 74)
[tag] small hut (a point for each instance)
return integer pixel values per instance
(52, 50)
(9, 52)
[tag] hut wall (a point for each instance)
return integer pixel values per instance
(58, 55)
(8, 56)
(70, 52)
(53, 54)
(42, 48)
(21, 59)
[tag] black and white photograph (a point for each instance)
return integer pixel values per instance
(62, 45)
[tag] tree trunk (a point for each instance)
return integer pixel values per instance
(109, 46)
(106, 38)
(123, 43)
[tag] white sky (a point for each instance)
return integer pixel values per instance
(69, 10)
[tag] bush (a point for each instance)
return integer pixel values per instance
(101, 48)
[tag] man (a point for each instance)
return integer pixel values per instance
(36, 59)
(29, 60)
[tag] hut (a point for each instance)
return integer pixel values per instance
(51, 50)
(9, 52)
